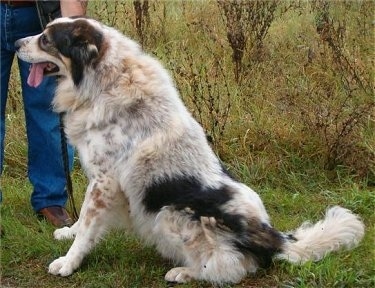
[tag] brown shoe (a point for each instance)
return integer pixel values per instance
(56, 215)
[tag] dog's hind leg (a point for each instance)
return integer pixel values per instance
(205, 237)
(208, 256)
(219, 261)
(96, 217)
(181, 274)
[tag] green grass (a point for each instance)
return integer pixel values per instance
(276, 139)
(121, 260)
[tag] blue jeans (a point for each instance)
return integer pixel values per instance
(45, 163)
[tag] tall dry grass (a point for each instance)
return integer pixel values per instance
(276, 84)
(279, 86)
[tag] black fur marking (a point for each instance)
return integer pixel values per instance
(260, 240)
(78, 41)
(291, 237)
(186, 193)
(252, 237)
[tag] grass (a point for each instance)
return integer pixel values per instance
(271, 126)
(121, 260)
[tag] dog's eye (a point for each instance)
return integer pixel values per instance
(44, 40)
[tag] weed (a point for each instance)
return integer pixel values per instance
(142, 18)
(354, 103)
(247, 24)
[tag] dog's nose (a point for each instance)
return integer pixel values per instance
(18, 44)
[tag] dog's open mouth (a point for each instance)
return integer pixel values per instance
(39, 70)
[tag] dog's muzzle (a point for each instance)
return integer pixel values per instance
(20, 42)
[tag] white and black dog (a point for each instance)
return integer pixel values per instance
(151, 169)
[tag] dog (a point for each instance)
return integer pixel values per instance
(151, 169)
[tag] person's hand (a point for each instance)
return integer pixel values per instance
(73, 7)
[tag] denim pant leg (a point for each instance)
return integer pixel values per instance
(45, 164)
(6, 63)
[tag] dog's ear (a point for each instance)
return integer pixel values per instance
(83, 51)
(82, 54)
(79, 42)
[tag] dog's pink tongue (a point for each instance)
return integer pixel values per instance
(36, 74)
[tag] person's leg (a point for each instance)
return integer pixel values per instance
(46, 170)
(45, 163)
(5, 67)
(6, 64)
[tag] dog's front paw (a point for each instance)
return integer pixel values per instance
(63, 233)
(180, 275)
(61, 266)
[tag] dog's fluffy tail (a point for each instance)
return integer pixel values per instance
(339, 229)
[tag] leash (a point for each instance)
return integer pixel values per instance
(69, 186)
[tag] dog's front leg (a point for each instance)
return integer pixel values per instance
(94, 219)
(70, 232)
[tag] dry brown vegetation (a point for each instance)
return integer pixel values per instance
(275, 83)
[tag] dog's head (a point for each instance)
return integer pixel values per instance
(66, 47)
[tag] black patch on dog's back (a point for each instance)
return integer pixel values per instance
(186, 192)
(251, 236)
